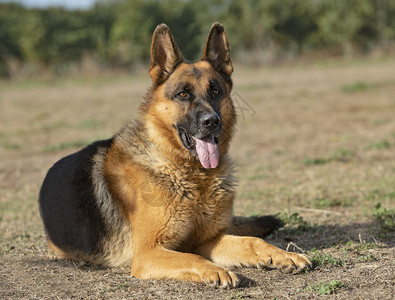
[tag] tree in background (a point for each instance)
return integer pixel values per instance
(117, 33)
(341, 23)
(10, 44)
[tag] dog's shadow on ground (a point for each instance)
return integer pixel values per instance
(61, 265)
(326, 236)
(80, 266)
(246, 282)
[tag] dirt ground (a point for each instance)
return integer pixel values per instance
(315, 144)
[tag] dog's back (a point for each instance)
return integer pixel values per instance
(68, 204)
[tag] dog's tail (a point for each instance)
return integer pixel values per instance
(254, 226)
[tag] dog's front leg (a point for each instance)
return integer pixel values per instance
(229, 250)
(160, 263)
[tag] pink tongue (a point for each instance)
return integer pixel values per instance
(207, 151)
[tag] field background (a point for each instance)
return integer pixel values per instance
(315, 144)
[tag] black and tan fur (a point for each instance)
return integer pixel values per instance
(142, 198)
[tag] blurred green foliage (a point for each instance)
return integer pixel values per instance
(117, 33)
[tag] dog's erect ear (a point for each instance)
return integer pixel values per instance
(165, 55)
(217, 50)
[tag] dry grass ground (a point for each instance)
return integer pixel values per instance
(315, 144)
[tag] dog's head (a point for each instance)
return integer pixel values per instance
(189, 109)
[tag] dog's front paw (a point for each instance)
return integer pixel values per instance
(267, 255)
(219, 276)
(287, 262)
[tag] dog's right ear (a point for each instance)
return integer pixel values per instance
(165, 55)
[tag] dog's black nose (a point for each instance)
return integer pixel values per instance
(211, 121)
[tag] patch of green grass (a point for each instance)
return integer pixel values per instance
(316, 161)
(367, 258)
(124, 285)
(319, 259)
(325, 288)
(358, 86)
(384, 144)
(292, 219)
(6, 144)
(105, 291)
(360, 249)
(340, 155)
(380, 195)
(90, 124)
(386, 217)
(23, 84)
(294, 223)
(343, 154)
(11, 243)
(380, 121)
(322, 203)
(347, 202)
(86, 124)
(325, 203)
(66, 145)
(55, 125)
(358, 246)
(9, 145)
(21, 237)
(278, 152)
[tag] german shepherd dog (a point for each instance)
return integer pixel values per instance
(158, 195)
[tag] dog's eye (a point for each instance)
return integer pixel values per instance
(182, 95)
(215, 92)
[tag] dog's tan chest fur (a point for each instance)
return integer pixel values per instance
(197, 217)
(191, 205)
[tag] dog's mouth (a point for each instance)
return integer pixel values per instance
(205, 148)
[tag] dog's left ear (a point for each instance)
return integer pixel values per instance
(217, 50)
(165, 55)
